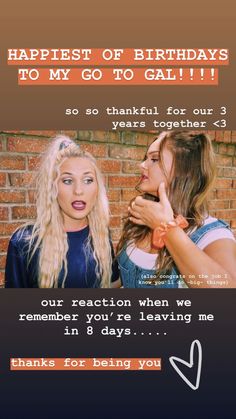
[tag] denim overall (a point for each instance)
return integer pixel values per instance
(133, 276)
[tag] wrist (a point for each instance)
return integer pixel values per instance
(156, 223)
(160, 232)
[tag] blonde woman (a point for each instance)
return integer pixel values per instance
(174, 242)
(68, 245)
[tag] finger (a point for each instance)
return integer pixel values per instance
(139, 201)
(162, 194)
(135, 207)
(136, 221)
(134, 213)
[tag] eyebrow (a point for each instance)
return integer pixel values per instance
(72, 174)
(153, 152)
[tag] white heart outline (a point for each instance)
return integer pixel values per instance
(172, 360)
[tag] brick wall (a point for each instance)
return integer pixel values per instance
(118, 155)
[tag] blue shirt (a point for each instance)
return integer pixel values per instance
(81, 264)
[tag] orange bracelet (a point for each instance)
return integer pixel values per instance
(160, 232)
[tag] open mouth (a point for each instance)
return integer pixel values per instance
(143, 177)
(79, 205)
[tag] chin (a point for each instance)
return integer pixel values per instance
(147, 190)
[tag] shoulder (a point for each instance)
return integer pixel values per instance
(212, 230)
(21, 236)
(215, 222)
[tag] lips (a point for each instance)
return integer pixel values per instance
(79, 205)
(143, 177)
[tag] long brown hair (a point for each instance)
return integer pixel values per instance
(191, 178)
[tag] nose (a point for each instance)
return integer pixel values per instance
(78, 188)
(143, 165)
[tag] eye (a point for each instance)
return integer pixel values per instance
(155, 159)
(88, 180)
(67, 181)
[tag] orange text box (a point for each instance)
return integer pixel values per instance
(88, 364)
(115, 76)
(118, 56)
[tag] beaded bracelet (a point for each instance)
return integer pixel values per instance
(160, 231)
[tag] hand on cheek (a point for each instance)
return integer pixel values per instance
(149, 213)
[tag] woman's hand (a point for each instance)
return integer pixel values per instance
(149, 213)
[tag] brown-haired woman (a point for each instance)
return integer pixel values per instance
(173, 242)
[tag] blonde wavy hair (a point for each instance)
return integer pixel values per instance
(48, 234)
(191, 179)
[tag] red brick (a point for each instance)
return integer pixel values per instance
(226, 194)
(220, 171)
(212, 194)
(226, 214)
(223, 183)
(23, 212)
(120, 209)
(233, 137)
(113, 195)
(223, 136)
(21, 179)
(129, 137)
(230, 172)
(218, 204)
(84, 135)
(114, 137)
(143, 139)
(128, 194)
(32, 196)
(115, 222)
(3, 179)
(13, 132)
(69, 133)
(104, 136)
(10, 196)
(223, 160)
(130, 167)
(233, 204)
(2, 279)
(123, 181)
(4, 244)
(34, 162)
(227, 149)
(12, 162)
(6, 229)
(3, 261)
(132, 153)
(4, 213)
(97, 150)
(227, 136)
(233, 224)
(109, 166)
(44, 133)
(219, 136)
(27, 145)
